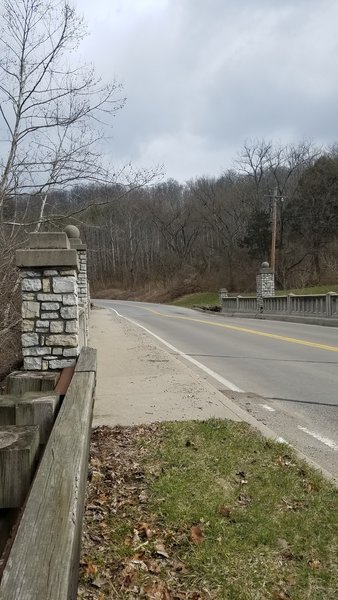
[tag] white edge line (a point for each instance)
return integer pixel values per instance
(213, 374)
(330, 443)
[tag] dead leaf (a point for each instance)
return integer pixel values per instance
(281, 595)
(144, 530)
(143, 497)
(243, 500)
(157, 591)
(161, 551)
(99, 582)
(153, 567)
(225, 511)
(91, 569)
(314, 563)
(282, 544)
(196, 535)
(179, 566)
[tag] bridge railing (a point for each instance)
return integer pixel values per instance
(302, 305)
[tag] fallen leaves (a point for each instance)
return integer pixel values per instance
(150, 567)
(196, 535)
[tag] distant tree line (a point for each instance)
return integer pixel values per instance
(213, 232)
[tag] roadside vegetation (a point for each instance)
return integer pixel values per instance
(205, 510)
(212, 298)
(198, 299)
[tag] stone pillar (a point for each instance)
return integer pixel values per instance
(50, 314)
(82, 280)
(265, 284)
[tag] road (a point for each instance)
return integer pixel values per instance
(284, 374)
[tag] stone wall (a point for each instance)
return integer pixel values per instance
(50, 325)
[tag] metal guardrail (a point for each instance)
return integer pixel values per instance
(312, 305)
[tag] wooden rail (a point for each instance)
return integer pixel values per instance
(43, 562)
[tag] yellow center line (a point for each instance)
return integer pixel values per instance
(273, 336)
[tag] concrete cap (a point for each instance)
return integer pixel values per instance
(77, 243)
(49, 240)
(47, 258)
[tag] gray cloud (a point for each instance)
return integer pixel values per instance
(202, 76)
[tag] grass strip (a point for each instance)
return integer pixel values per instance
(200, 510)
(212, 298)
(198, 299)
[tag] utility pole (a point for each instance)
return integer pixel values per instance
(274, 230)
(274, 198)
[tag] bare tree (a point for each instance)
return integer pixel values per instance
(50, 107)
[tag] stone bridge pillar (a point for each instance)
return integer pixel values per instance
(82, 278)
(49, 270)
(265, 284)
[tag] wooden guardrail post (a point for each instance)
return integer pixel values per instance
(44, 559)
(19, 448)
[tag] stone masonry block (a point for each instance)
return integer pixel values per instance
(63, 285)
(57, 327)
(50, 273)
(26, 296)
(24, 273)
(61, 363)
(32, 363)
(27, 326)
(62, 339)
(71, 352)
(69, 299)
(46, 285)
(43, 324)
(30, 309)
(49, 297)
(37, 351)
(29, 339)
(57, 351)
(68, 272)
(71, 326)
(50, 315)
(50, 306)
(69, 312)
(31, 285)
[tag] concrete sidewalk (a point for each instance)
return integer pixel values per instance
(141, 382)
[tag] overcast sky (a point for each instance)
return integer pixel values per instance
(203, 76)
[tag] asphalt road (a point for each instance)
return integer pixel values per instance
(284, 374)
